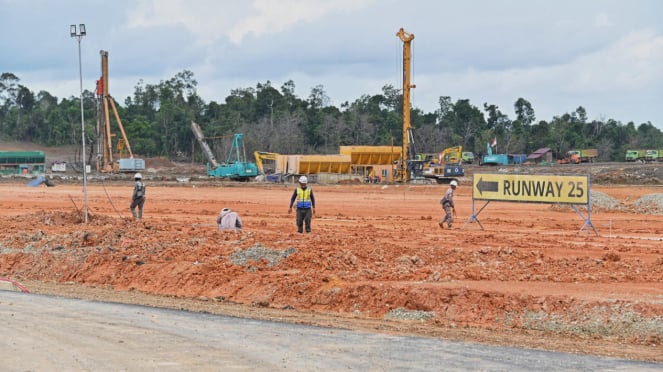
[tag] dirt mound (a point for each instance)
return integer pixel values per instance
(649, 204)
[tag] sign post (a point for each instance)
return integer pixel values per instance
(552, 189)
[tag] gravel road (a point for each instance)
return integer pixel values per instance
(44, 333)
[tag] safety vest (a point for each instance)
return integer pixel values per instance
(139, 189)
(304, 198)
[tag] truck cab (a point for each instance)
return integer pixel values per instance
(635, 155)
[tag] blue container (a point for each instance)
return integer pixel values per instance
(519, 158)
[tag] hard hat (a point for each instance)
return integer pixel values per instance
(453, 183)
(138, 176)
(303, 179)
(224, 210)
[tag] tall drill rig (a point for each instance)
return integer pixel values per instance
(105, 161)
(408, 152)
(412, 168)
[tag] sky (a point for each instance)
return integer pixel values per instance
(603, 55)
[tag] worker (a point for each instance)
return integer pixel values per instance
(305, 205)
(229, 220)
(138, 197)
(448, 204)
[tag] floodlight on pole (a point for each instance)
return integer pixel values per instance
(78, 34)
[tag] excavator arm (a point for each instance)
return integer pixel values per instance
(260, 156)
(451, 155)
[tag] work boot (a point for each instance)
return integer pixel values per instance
(441, 223)
(449, 224)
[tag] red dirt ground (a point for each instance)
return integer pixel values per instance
(376, 259)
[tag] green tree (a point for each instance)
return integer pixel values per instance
(467, 122)
(524, 112)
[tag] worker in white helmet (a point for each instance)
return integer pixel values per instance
(448, 205)
(305, 205)
(138, 197)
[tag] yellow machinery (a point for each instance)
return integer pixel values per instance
(450, 155)
(263, 156)
(314, 164)
(408, 154)
(105, 159)
(372, 155)
(373, 163)
(412, 167)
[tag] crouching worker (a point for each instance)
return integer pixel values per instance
(229, 220)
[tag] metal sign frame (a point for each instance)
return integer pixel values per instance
(526, 188)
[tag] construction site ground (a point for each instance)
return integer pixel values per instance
(376, 259)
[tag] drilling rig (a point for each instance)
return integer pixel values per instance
(236, 167)
(411, 166)
(106, 162)
(408, 155)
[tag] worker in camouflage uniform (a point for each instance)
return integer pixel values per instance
(448, 205)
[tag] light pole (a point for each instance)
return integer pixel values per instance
(78, 34)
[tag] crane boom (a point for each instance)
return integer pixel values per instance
(203, 145)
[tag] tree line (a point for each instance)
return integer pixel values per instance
(157, 120)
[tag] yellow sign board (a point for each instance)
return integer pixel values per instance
(562, 189)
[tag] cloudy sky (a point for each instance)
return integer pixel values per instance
(604, 55)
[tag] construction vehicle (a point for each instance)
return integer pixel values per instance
(636, 155)
(579, 156)
(408, 161)
(105, 156)
(269, 170)
(437, 159)
(569, 158)
(444, 167)
(412, 167)
(451, 155)
(261, 156)
(467, 157)
(236, 167)
(654, 155)
(587, 155)
(495, 159)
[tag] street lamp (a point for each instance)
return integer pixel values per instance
(78, 34)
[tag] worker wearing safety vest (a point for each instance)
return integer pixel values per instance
(305, 205)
